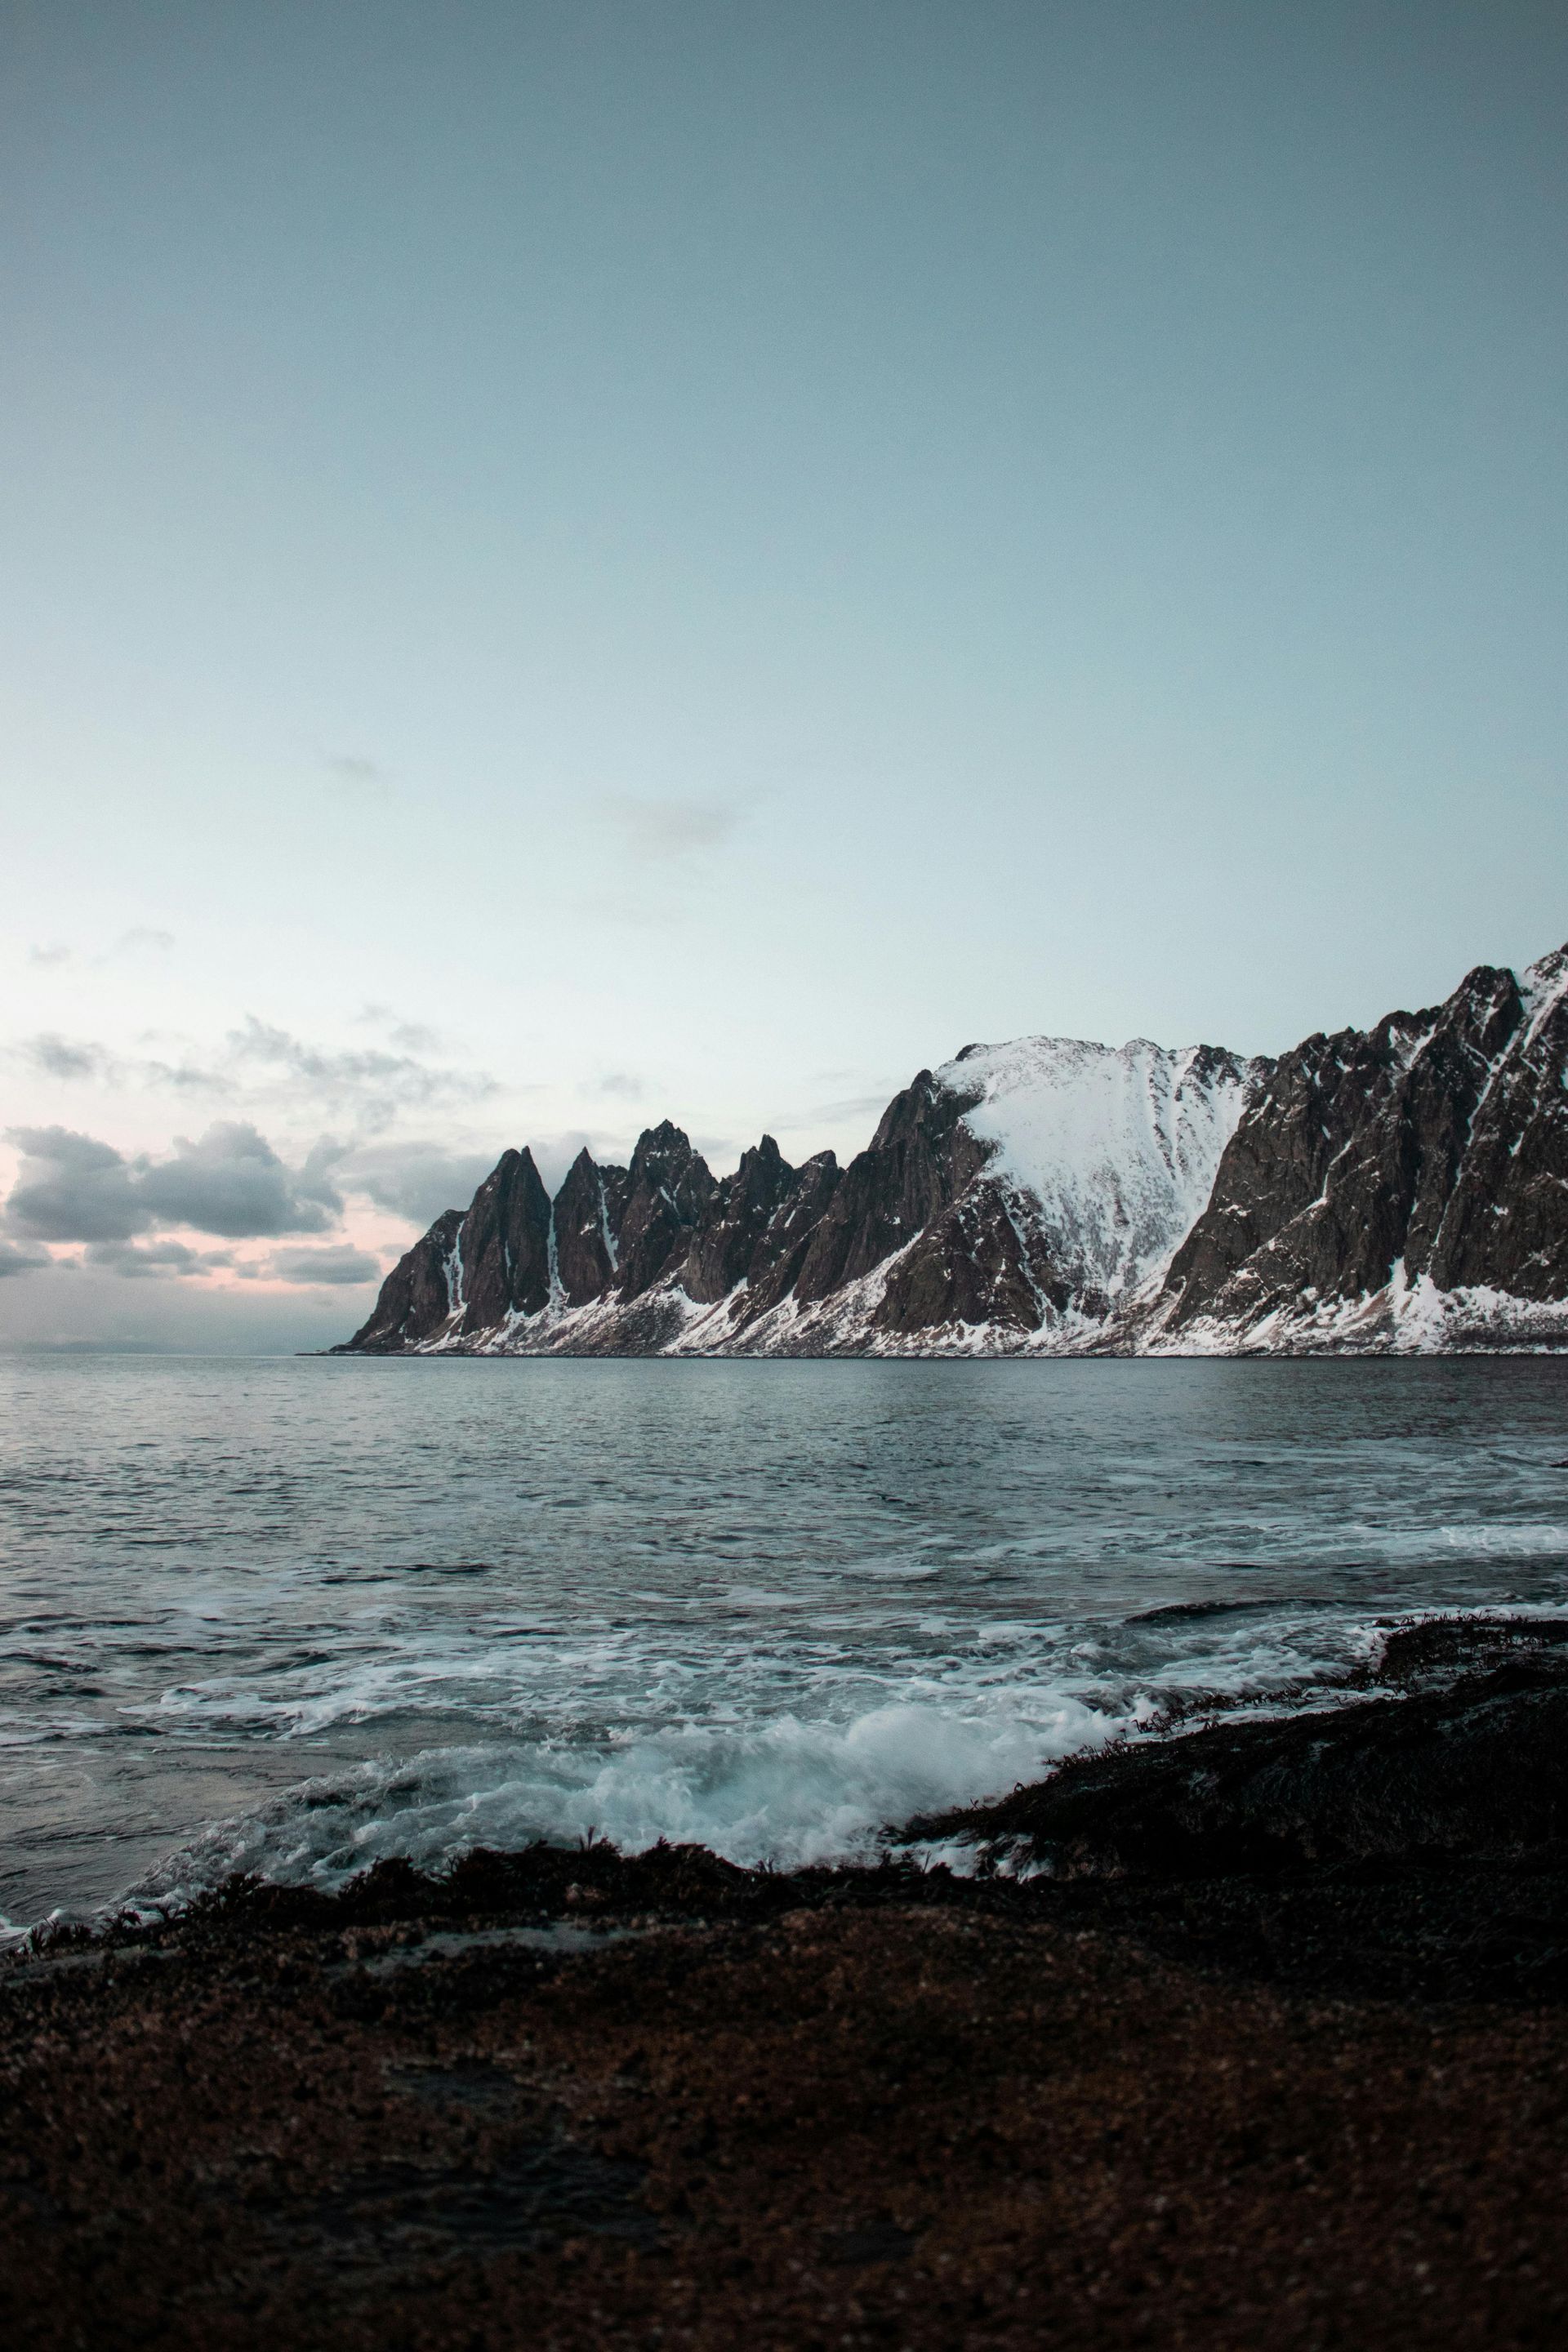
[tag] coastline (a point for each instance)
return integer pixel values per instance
(1277, 2047)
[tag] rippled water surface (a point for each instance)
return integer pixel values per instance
(292, 1614)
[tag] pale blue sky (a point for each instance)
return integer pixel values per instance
(705, 556)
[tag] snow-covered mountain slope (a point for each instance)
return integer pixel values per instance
(1115, 1152)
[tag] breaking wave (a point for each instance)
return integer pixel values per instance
(787, 1792)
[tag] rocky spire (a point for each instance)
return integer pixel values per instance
(668, 1188)
(503, 1247)
(589, 1209)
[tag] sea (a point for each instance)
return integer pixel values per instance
(292, 1615)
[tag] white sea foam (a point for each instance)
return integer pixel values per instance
(787, 1792)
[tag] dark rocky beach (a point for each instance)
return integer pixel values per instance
(1273, 2050)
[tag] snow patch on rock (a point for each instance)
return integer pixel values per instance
(1115, 1147)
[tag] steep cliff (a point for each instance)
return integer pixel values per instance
(1402, 1187)
(419, 1295)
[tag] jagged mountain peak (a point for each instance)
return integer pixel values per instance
(663, 1145)
(584, 1165)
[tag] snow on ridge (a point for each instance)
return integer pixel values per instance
(1118, 1146)
(1542, 984)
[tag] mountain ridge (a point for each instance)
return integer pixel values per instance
(1400, 1189)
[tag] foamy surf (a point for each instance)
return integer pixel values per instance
(787, 1792)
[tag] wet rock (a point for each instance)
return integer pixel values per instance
(1442, 1649)
(1476, 1771)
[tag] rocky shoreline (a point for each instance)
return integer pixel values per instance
(1257, 2033)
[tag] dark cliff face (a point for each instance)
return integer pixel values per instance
(669, 1188)
(739, 1214)
(589, 1208)
(781, 1250)
(978, 1261)
(416, 1297)
(1506, 1222)
(503, 1248)
(916, 1164)
(1438, 1139)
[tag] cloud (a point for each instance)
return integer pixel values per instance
(408, 1037)
(663, 830)
(13, 1260)
(359, 778)
(135, 942)
(72, 1188)
(849, 1106)
(417, 1180)
(621, 1082)
(229, 1181)
(184, 1077)
(153, 1258)
(370, 1085)
(339, 1264)
(65, 1057)
(76, 1060)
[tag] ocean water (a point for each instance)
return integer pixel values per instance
(295, 1614)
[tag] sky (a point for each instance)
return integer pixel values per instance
(562, 565)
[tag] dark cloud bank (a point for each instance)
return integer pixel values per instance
(116, 1214)
(19, 1261)
(228, 1181)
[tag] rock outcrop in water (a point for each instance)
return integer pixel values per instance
(1402, 1188)
(1463, 1768)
